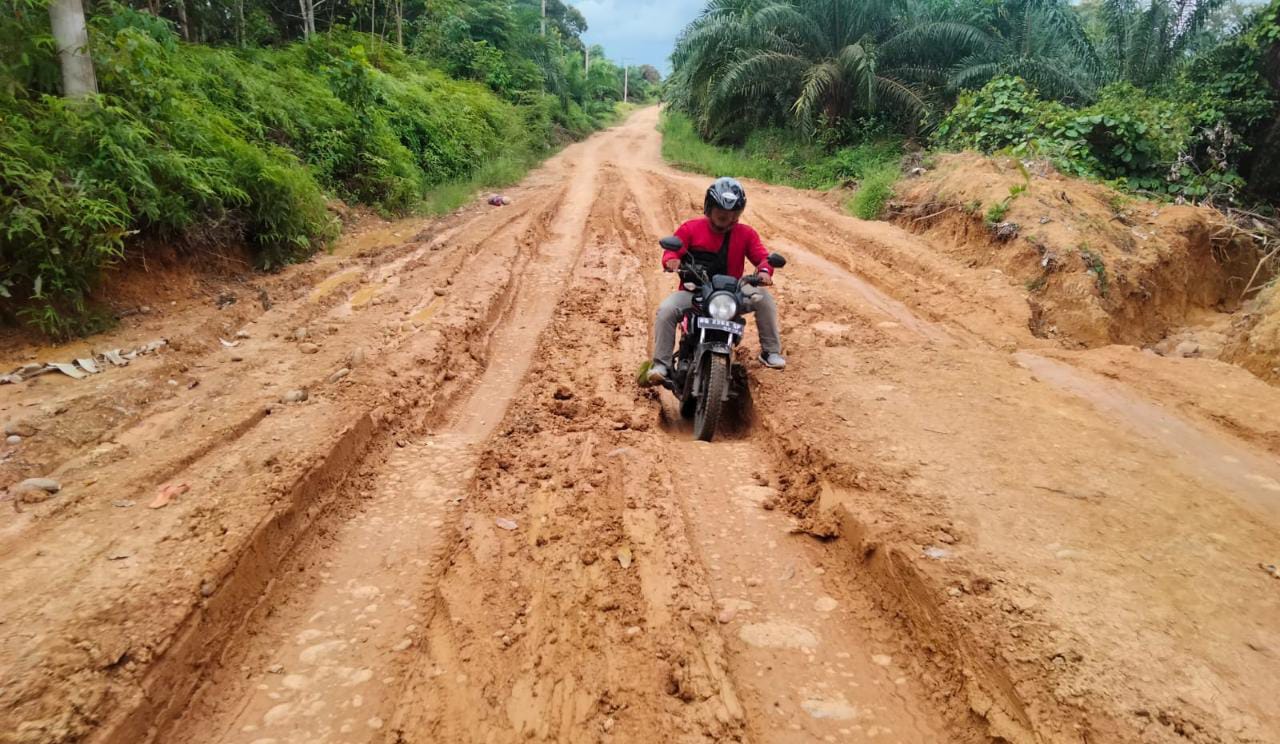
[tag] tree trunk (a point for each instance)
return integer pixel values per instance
(182, 20)
(400, 23)
(240, 22)
(544, 17)
(72, 39)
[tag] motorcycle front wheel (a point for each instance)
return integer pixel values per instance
(715, 382)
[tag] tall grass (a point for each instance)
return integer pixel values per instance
(782, 157)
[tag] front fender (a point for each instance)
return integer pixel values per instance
(719, 348)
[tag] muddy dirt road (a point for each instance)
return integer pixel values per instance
(934, 527)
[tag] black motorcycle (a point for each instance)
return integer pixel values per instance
(709, 331)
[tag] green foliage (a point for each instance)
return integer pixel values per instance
(778, 156)
(875, 191)
(186, 137)
(1094, 265)
(1143, 142)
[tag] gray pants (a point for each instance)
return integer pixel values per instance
(669, 312)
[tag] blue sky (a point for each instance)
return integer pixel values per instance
(642, 31)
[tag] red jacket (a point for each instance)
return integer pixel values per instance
(744, 243)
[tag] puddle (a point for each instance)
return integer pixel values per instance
(426, 313)
(363, 296)
(328, 285)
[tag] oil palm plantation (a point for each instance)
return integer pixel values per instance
(746, 63)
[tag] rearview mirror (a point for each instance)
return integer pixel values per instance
(671, 243)
(777, 261)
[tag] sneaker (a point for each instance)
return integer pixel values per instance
(773, 361)
(657, 373)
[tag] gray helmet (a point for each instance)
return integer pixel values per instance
(725, 193)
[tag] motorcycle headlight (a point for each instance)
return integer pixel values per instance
(722, 306)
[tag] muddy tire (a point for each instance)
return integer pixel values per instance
(688, 401)
(711, 402)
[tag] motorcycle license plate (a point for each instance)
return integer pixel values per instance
(720, 325)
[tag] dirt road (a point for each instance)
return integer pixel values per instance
(934, 527)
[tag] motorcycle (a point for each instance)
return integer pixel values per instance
(708, 333)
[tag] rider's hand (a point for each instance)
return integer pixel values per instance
(766, 279)
(671, 264)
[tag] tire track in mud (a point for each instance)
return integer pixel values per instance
(608, 624)
(330, 664)
(810, 652)
(585, 620)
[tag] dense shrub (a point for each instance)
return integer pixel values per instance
(1185, 142)
(184, 136)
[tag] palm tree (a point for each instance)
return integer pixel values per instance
(1145, 41)
(811, 60)
(1040, 41)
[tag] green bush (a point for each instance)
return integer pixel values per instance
(778, 156)
(875, 191)
(183, 137)
(1178, 143)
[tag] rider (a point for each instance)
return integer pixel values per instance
(723, 243)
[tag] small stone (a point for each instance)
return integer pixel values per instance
(300, 334)
(13, 439)
(607, 725)
(308, 348)
(237, 358)
(813, 307)
(936, 553)
(727, 615)
(402, 645)
(356, 357)
(633, 631)
(207, 588)
(20, 429)
(47, 485)
(242, 334)
(441, 291)
(294, 396)
(769, 504)
(339, 375)
(624, 557)
(1187, 349)
(275, 669)
(144, 309)
(881, 660)
(754, 581)
(123, 504)
(825, 604)
(374, 723)
(505, 523)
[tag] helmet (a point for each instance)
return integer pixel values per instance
(725, 193)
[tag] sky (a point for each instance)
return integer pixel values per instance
(639, 31)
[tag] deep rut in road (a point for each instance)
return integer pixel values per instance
(580, 574)
(932, 527)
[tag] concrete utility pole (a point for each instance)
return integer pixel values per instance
(72, 40)
(626, 74)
